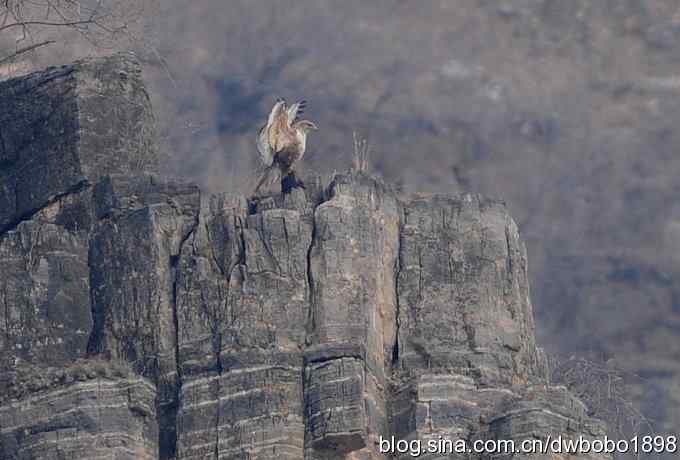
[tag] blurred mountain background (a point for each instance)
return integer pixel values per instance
(567, 110)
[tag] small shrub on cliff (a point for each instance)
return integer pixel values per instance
(360, 154)
(605, 389)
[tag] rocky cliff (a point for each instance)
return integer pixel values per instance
(139, 319)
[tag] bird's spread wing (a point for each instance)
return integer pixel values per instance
(264, 147)
(281, 133)
(278, 108)
(267, 135)
(295, 111)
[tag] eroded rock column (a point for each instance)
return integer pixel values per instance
(242, 308)
(143, 223)
(468, 366)
(352, 326)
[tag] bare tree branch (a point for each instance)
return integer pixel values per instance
(26, 49)
(605, 389)
(46, 23)
(39, 21)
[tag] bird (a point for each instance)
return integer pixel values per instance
(282, 141)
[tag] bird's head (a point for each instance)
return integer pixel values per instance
(305, 126)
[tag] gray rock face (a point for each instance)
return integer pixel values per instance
(84, 412)
(353, 324)
(242, 307)
(64, 128)
(139, 322)
(142, 224)
(61, 131)
(44, 290)
(463, 290)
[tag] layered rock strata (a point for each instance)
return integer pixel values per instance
(141, 320)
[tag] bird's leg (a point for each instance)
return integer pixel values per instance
(287, 183)
(299, 183)
(290, 181)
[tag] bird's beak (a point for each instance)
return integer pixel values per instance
(313, 126)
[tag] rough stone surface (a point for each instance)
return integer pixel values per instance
(463, 290)
(353, 261)
(65, 127)
(143, 221)
(60, 132)
(139, 321)
(240, 345)
(44, 284)
(82, 416)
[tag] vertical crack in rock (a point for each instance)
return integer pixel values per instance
(7, 321)
(239, 225)
(509, 261)
(309, 331)
(3, 150)
(211, 249)
(311, 326)
(398, 264)
(167, 442)
(420, 275)
(509, 273)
